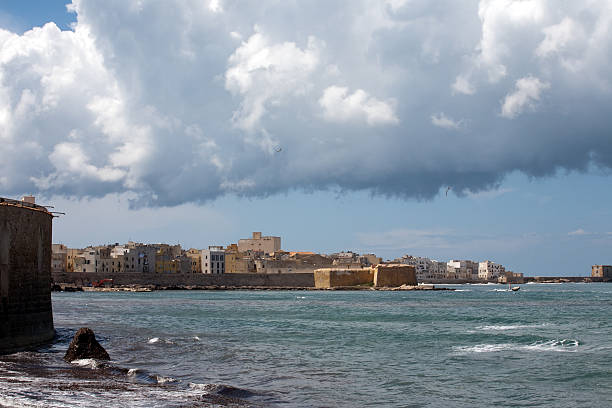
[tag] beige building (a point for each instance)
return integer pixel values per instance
(260, 244)
(195, 255)
(601, 271)
(59, 258)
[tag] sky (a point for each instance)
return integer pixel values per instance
(453, 130)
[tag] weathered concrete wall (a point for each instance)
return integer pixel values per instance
(26, 318)
(394, 275)
(330, 277)
(231, 279)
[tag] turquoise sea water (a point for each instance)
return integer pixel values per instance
(547, 345)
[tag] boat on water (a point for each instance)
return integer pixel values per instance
(514, 288)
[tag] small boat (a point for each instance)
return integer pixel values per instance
(515, 288)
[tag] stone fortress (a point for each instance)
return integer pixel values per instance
(25, 274)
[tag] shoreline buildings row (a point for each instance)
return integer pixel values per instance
(258, 254)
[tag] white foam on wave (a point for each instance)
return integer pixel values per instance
(462, 290)
(86, 362)
(153, 340)
(201, 387)
(510, 327)
(564, 346)
(162, 380)
(132, 371)
(300, 297)
(196, 338)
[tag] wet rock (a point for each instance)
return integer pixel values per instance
(85, 345)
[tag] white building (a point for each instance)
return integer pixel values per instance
(488, 270)
(425, 268)
(465, 270)
(213, 260)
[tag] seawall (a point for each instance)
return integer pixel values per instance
(26, 317)
(305, 280)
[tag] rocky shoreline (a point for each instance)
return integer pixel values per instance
(151, 288)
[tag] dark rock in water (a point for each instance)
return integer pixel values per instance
(85, 345)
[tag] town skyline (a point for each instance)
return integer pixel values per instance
(432, 139)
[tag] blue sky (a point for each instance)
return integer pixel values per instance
(162, 122)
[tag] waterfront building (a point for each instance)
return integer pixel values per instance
(213, 260)
(463, 270)
(87, 261)
(601, 271)
(59, 258)
(426, 269)
(260, 244)
(139, 259)
(195, 256)
(488, 270)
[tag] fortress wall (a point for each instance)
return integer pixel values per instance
(395, 275)
(25, 275)
(330, 277)
(231, 279)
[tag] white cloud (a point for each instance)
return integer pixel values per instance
(443, 121)
(462, 85)
(340, 106)
(173, 103)
(215, 6)
(578, 232)
(557, 37)
(261, 71)
(526, 94)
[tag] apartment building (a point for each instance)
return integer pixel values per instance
(213, 260)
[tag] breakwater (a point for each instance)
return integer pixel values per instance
(303, 280)
(25, 274)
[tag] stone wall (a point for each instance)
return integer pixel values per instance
(232, 279)
(331, 277)
(394, 275)
(26, 317)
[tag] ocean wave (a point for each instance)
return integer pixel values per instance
(511, 327)
(157, 340)
(462, 290)
(196, 338)
(222, 389)
(563, 345)
(163, 380)
(87, 362)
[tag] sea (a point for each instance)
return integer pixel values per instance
(547, 345)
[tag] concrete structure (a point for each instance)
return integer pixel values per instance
(393, 275)
(213, 260)
(260, 244)
(25, 275)
(488, 270)
(334, 277)
(601, 271)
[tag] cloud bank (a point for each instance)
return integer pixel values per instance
(186, 101)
